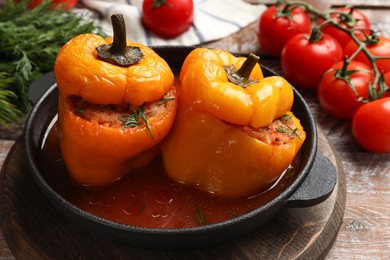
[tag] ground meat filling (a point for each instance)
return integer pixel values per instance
(121, 115)
(279, 132)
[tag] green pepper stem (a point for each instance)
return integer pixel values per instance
(248, 66)
(118, 53)
(119, 42)
(241, 76)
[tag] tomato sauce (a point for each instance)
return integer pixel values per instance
(147, 197)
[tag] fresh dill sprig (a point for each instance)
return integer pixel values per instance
(30, 41)
(78, 111)
(286, 118)
(163, 101)
(7, 109)
(200, 217)
(286, 129)
(133, 120)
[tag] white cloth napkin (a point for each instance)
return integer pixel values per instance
(213, 19)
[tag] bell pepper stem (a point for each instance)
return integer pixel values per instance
(119, 42)
(247, 67)
(241, 76)
(118, 53)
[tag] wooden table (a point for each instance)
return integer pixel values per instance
(365, 230)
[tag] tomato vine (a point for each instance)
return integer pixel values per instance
(377, 87)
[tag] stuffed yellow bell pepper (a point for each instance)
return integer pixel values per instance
(116, 103)
(234, 133)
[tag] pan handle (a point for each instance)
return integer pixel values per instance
(38, 87)
(317, 186)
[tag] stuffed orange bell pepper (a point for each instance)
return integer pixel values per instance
(234, 133)
(116, 103)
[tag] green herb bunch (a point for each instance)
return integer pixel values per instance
(29, 42)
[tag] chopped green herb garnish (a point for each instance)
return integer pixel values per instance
(285, 118)
(232, 215)
(78, 111)
(142, 209)
(133, 120)
(200, 217)
(163, 101)
(294, 132)
(286, 129)
(281, 129)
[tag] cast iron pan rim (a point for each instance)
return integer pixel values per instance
(281, 198)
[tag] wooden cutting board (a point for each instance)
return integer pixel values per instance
(33, 229)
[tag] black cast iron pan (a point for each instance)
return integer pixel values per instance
(314, 183)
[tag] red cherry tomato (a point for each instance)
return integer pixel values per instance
(167, 18)
(381, 48)
(387, 80)
(67, 4)
(337, 97)
(304, 62)
(361, 21)
(274, 29)
(371, 126)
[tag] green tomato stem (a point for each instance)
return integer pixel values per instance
(382, 57)
(315, 35)
(375, 92)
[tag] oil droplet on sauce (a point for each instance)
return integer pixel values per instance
(147, 197)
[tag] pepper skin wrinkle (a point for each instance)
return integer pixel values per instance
(79, 72)
(96, 145)
(228, 140)
(205, 84)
